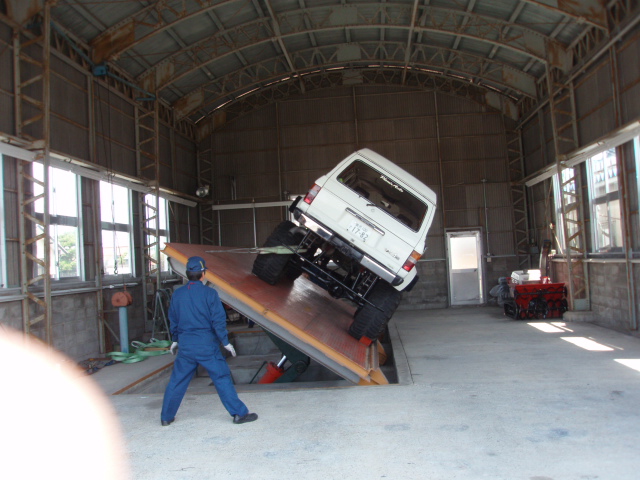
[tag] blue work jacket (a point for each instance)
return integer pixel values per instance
(197, 316)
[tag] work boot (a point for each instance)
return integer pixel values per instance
(166, 423)
(249, 417)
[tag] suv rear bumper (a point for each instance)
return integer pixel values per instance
(347, 249)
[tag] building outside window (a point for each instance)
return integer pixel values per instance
(115, 216)
(604, 199)
(64, 222)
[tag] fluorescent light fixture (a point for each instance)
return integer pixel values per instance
(587, 344)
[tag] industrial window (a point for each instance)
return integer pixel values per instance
(636, 153)
(604, 198)
(115, 216)
(163, 231)
(565, 186)
(64, 222)
(3, 242)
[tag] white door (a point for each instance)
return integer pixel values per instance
(465, 268)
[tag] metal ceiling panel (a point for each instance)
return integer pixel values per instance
(218, 50)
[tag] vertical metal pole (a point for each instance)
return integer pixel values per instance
(442, 209)
(188, 224)
(46, 87)
(441, 199)
(255, 227)
(142, 215)
(278, 146)
(156, 148)
(97, 249)
(624, 200)
(355, 117)
(176, 210)
(486, 214)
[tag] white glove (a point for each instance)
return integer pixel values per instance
(230, 349)
(173, 348)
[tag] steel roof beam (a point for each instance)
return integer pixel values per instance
(407, 54)
(327, 79)
(278, 35)
(82, 11)
(221, 27)
(588, 12)
(114, 41)
(522, 40)
(141, 26)
(469, 9)
(512, 18)
(436, 60)
(312, 37)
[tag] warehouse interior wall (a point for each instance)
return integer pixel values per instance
(606, 99)
(458, 147)
(454, 145)
(98, 126)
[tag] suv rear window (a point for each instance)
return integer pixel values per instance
(384, 193)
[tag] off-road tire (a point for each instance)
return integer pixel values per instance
(370, 322)
(292, 269)
(269, 267)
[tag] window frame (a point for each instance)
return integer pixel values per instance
(3, 234)
(106, 226)
(562, 244)
(163, 209)
(636, 153)
(56, 220)
(607, 198)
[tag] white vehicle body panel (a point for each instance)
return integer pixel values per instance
(369, 228)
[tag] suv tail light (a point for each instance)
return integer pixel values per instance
(411, 261)
(311, 195)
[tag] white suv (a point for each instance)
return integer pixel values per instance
(362, 228)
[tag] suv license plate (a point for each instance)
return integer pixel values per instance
(359, 230)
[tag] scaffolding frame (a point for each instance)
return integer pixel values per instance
(562, 112)
(148, 167)
(32, 108)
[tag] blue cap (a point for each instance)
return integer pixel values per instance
(196, 264)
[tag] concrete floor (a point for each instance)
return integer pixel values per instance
(489, 397)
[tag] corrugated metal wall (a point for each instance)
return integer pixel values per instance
(452, 144)
(7, 123)
(606, 96)
(96, 125)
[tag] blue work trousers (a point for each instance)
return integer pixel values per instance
(184, 367)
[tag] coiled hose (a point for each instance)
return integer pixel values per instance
(142, 351)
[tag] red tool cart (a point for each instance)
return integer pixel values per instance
(535, 297)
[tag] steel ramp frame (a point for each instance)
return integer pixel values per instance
(300, 313)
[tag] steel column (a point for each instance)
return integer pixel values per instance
(627, 226)
(148, 157)
(32, 55)
(205, 177)
(518, 195)
(564, 129)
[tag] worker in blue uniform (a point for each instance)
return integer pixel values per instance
(199, 324)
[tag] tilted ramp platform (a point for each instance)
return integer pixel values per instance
(300, 313)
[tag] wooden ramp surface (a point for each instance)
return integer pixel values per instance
(300, 313)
